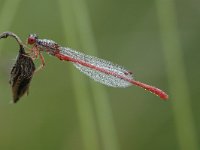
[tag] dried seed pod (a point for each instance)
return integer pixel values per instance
(22, 71)
(21, 74)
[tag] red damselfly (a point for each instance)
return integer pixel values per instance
(98, 69)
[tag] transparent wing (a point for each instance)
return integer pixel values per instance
(98, 69)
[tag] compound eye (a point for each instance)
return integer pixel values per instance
(31, 40)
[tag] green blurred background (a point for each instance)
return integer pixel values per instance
(158, 40)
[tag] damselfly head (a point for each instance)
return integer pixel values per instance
(32, 39)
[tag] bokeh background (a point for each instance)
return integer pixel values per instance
(65, 110)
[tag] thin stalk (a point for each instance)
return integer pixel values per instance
(82, 94)
(179, 92)
(102, 106)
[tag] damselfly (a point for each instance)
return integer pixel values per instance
(100, 70)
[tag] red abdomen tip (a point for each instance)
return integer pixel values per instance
(164, 96)
(159, 93)
(152, 89)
